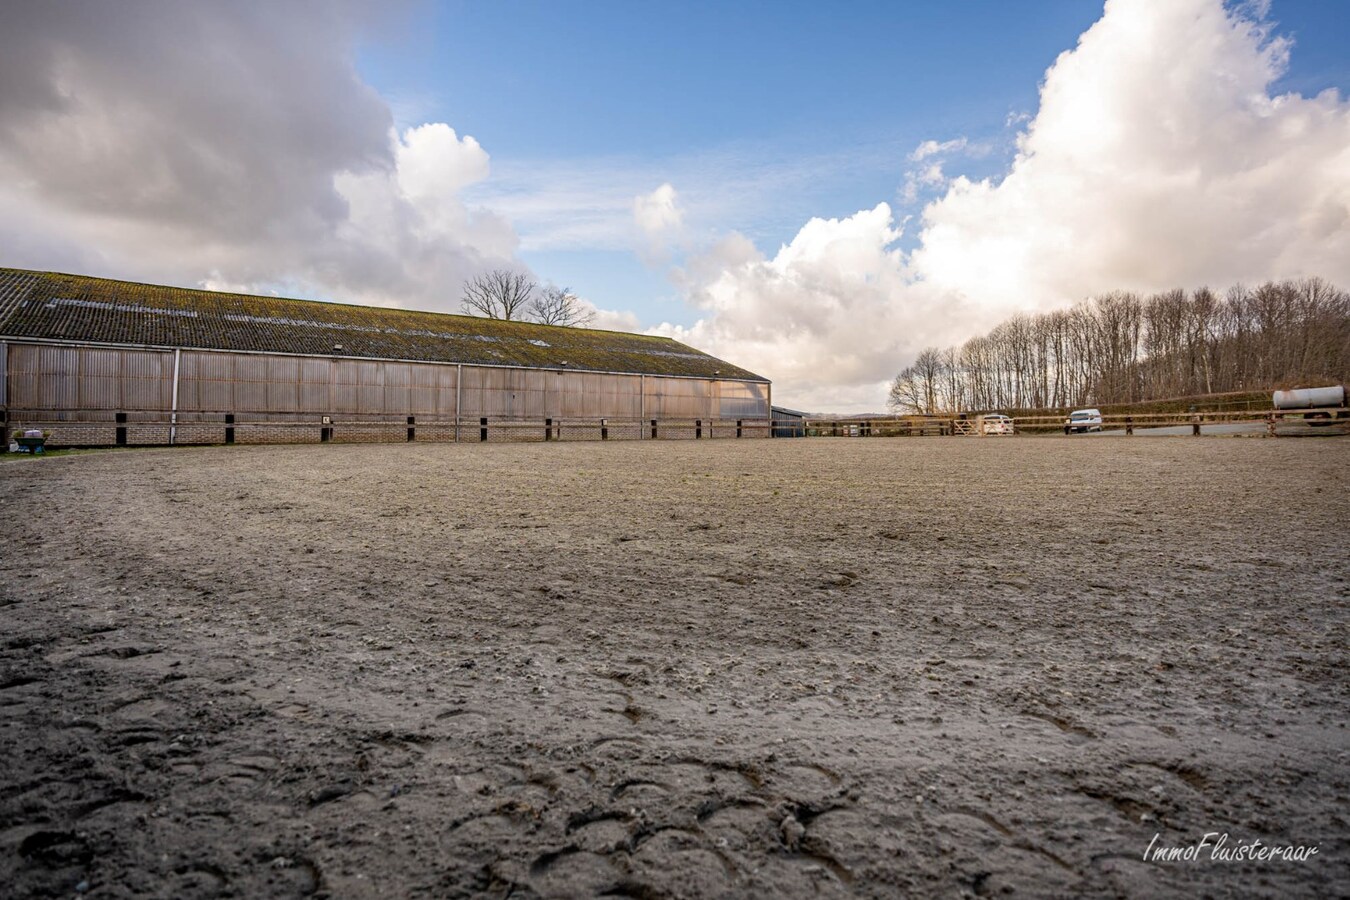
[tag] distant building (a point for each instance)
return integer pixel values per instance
(788, 422)
(102, 362)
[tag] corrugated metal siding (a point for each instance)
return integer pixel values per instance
(742, 400)
(316, 385)
(36, 376)
(88, 378)
(83, 383)
(528, 394)
(679, 398)
(250, 383)
(283, 384)
(493, 392)
(206, 382)
(396, 383)
(431, 390)
(146, 380)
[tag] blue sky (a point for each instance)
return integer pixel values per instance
(811, 108)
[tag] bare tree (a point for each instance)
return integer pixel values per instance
(500, 294)
(928, 370)
(1119, 348)
(906, 393)
(559, 306)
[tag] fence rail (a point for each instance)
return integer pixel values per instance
(1329, 419)
(143, 429)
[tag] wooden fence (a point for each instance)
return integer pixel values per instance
(123, 429)
(148, 429)
(1330, 420)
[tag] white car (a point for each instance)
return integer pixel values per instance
(996, 423)
(1083, 420)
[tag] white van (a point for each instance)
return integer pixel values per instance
(1083, 420)
(996, 423)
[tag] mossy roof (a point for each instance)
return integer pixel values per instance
(54, 306)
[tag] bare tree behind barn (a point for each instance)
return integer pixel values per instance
(500, 294)
(559, 306)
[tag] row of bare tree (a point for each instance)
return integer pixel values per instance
(503, 294)
(1123, 348)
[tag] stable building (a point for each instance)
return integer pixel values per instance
(98, 362)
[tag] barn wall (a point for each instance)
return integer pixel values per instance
(679, 398)
(254, 383)
(742, 400)
(89, 378)
(94, 395)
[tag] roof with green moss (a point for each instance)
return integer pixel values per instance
(53, 306)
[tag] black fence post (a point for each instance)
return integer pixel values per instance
(1129, 425)
(229, 428)
(412, 432)
(548, 429)
(653, 429)
(121, 429)
(604, 430)
(698, 429)
(482, 429)
(739, 423)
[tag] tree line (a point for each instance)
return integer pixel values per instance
(1125, 348)
(503, 294)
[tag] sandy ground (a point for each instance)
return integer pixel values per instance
(825, 667)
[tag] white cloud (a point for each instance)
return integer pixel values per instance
(930, 176)
(658, 213)
(933, 148)
(821, 316)
(264, 164)
(659, 218)
(1158, 158)
(414, 215)
(611, 319)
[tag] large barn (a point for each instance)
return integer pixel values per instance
(101, 362)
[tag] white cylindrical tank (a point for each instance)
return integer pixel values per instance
(1305, 398)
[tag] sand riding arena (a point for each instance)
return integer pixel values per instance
(821, 667)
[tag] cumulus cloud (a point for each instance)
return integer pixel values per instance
(929, 176)
(1158, 157)
(611, 319)
(819, 316)
(164, 141)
